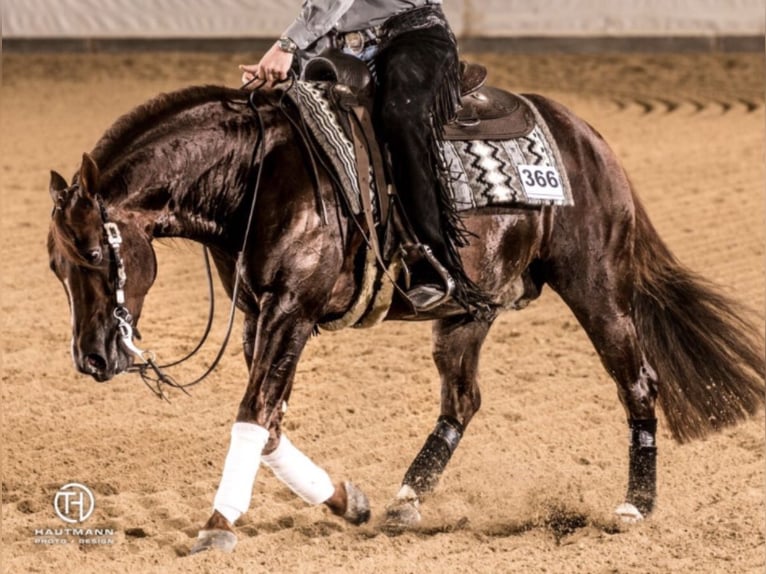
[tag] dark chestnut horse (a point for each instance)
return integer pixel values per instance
(183, 165)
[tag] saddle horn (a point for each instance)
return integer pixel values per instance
(334, 66)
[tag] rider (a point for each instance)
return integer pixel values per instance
(412, 53)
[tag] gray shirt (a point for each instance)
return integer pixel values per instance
(318, 17)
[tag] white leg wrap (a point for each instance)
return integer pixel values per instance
(299, 473)
(236, 488)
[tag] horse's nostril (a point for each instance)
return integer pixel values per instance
(95, 363)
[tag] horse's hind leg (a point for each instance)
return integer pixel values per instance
(457, 344)
(607, 318)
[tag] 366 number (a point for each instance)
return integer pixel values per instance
(541, 177)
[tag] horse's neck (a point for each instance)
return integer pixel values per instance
(187, 186)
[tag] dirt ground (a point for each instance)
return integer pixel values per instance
(537, 476)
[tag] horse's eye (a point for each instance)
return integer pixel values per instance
(94, 256)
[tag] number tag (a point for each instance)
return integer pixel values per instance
(541, 182)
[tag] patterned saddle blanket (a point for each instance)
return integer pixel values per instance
(491, 167)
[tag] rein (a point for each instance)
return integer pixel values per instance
(149, 370)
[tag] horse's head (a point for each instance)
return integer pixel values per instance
(106, 263)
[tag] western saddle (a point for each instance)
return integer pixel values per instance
(486, 113)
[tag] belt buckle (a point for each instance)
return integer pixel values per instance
(354, 41)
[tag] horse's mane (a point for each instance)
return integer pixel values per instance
(149, 116)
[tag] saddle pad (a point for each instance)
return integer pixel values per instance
(319, 114)
(524, 171)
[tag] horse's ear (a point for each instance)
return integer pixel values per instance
(88, 175)
(57, 186)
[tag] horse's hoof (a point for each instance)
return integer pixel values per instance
(357, 505)
(403, 512)
(224, 540)
(628, 513)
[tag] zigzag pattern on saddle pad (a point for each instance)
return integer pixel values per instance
(525, 171)
(320, 116)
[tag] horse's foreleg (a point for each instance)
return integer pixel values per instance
(297, 471)
(310, 482)
(256, 436)
(457, 345)
(249, 332)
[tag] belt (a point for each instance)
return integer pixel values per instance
(358, 40)
(425, 16)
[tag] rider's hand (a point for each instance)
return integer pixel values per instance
(273, 67)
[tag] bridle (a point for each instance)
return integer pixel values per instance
(150, 371)
(121, 313)
(125, 328)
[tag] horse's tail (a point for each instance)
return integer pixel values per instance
(709, 359)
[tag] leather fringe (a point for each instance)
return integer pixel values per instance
(446, 106)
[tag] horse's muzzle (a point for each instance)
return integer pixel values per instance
(95, 365)
(102, 362)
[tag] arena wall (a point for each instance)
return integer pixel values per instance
(223, 20)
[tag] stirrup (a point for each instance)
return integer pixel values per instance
(430, 296)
